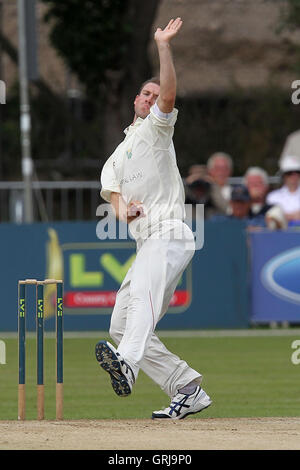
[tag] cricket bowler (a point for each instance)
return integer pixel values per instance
(142, 182)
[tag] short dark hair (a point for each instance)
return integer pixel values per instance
(150, 80)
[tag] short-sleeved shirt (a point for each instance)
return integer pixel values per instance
(143, 168)
(289, 202)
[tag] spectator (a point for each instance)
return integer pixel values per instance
(241, 209)
(240, 202)
(198, 192)
(257, 181)
(288, 196)
(201, 190)
(195, 172)
(219, 167)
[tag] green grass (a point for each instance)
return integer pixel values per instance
(245, 376)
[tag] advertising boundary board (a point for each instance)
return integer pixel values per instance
(275, 275)
(212, 293)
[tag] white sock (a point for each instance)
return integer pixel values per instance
(189, 388)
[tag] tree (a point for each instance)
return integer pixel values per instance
(290, 20)
(104, 43)
(290, 14)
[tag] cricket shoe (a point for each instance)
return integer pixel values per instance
(183, 405)
(121, 375)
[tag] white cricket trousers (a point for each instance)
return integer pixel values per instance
(143, 299)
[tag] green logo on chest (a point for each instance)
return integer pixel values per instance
(129, 153)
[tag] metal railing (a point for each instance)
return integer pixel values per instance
(60, 200)
(53, 200)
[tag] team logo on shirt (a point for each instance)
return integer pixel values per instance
(129, 153)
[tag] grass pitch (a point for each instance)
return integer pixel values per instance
(245, 377)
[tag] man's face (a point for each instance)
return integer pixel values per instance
(146, 99)
(240, 209)
(256, 186)
(220, 171)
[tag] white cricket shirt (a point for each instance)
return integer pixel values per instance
(143, 168)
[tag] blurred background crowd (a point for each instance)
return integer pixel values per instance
(252, 200)
(236, 137)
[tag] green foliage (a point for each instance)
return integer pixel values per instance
(290, 14)
(251, 126)
(62, 129)
(91, 36)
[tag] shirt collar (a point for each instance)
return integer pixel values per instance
(132, 127)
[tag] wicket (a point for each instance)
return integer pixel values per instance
(40, 345)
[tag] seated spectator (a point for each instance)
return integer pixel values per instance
(195, 172)
(257, 181)
(201, 190)
(197, 192)
(241, 209)
(288, 196)
(239, 205)
(240, 202)
(219, 167)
